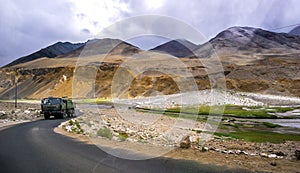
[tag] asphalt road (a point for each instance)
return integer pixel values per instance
(34, 148)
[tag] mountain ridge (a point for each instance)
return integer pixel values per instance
(178, 48)
(253, 60)
(51, 51)
(248, 40)
(295, 31)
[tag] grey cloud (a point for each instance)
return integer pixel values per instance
(211, 17)
(27, 26)
(85, 31)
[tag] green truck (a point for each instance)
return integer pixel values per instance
(57, 107)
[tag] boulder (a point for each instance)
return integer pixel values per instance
(185, 143)
(2, 113)
(279, 153)
(272, 155)
(297, 153)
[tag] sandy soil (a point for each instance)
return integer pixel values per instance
(253, 163)
(216, 154)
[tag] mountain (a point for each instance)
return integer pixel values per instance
(91, 47)
(178, 48)
(253, 60)
(52, 51)
(295, 31)
(103, 46)
(256, 40)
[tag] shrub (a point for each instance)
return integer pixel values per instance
(105, 132)
(123, 136)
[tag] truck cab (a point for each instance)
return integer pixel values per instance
(57, 107)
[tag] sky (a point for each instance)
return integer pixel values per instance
(27, 26)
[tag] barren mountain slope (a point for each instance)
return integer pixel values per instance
(253, 60)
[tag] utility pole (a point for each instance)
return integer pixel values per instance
(16, 88)
(16, 95)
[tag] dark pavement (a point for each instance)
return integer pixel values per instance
(35, 148)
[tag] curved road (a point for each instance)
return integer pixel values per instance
(34, 148)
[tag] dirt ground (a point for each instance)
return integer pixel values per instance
(253, 163)
(24, 112)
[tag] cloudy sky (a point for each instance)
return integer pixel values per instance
(28, 26)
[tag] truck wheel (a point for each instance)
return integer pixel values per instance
(46, 116)
(62, 115)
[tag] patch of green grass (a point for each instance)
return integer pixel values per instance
(282, 109)
(105, 132)
(231, 124)
(229, 110)
(260, 136)
(271, 125)
(93, 101)
(103, 101)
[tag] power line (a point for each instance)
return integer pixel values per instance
(286, 26)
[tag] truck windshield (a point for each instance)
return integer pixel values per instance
(51, 101)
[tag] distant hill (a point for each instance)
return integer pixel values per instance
(52, 51)
(295, 31)
(178, 48)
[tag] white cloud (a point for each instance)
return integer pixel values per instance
(94, 15)
(154, 4)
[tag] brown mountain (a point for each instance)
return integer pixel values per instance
(103, 46)
(254, 60)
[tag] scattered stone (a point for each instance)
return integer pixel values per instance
(263, 155)
(27, 112)
(230, 152)
(244, 152)
(217, 150)
(204, 149)
(279, 153)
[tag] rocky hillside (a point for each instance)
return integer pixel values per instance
(249, 40)
(254, 60)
